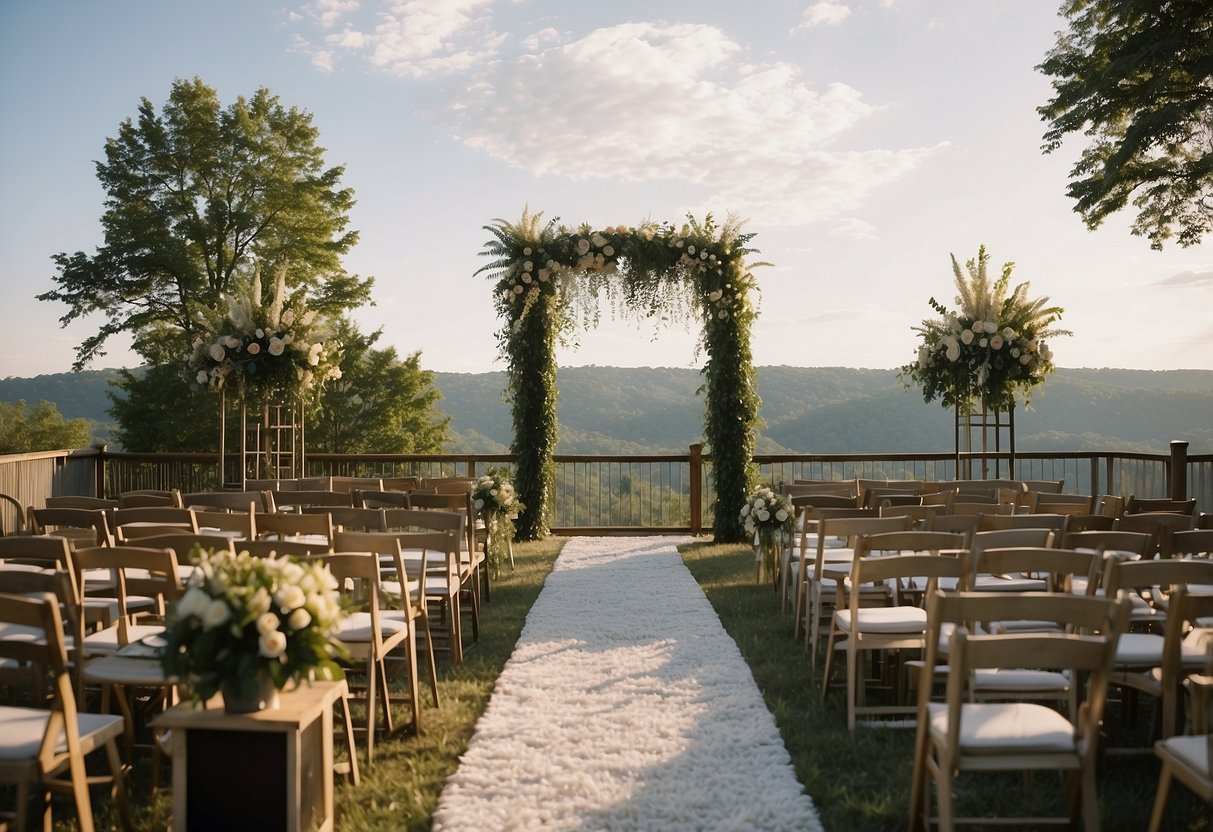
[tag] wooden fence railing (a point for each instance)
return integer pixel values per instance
(597, 493)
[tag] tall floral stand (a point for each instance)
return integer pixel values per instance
(982, 433)
(271, 440)
(767, 556)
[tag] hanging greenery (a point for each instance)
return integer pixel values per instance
(548, 279)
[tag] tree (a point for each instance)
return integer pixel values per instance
(1137, 77)
(41, 428)
(195, 195)
(158, 410)
(381, 404)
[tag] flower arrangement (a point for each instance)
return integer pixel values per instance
(267, 351)
(769, 518)
(494, 499)
(243, 617)
(991, 348)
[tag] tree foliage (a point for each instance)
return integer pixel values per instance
(1136, 76)
(381, 404)
(158, 410)
(39, 428)
(195, 194)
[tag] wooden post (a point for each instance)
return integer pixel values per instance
(1177, 486)
(99, 471)
(696, 489)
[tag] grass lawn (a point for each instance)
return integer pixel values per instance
(861, 781)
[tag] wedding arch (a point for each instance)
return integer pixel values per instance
(549, 279)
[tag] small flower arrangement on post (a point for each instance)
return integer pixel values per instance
(266, 352)
(495, 500)
(769, 518)
(246, 626)
(991, 348)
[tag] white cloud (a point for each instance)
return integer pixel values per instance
(825, 13)
(541, 38)
(328, 12)
(651, 102)
(414, 38)
(323, 61)
(1188, 278)
(853, 228)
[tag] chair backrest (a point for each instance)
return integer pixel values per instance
(922, 515)
(183, 544)
(45, 551)
(907, 541)
(824, 500)
(351, 519)
(1055, 523)
(450, 502)
(1006, 538)
(401, 483)
(1058, 566)
(1111, 505)
(965, 524)
(1160, 525)
(358, 574)
(1137, 505)
(153, 573)
(82, 526)
(381, 499)
(963, 506)
(352, 484)
(293, 525)
(299, 499)
(1154, 580)
(1114, 541)
(76, 501)
(230, 500)
(1090, 523)
(283, 548)
(836, 488)
(1044, 486)
(60, 583)
(145, 498)
(1192, 543)
(241, 523)
(893, 570)
(437, 483)
(1071, 504)
(158, 515)
(405, 520)
(877, 497)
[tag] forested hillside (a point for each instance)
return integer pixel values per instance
(811, 410)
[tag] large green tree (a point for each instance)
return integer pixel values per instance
(1136, 77)
(195, 194)
(381, 404)
(39, 428)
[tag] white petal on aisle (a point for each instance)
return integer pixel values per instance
(625, 706)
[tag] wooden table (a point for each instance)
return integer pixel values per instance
(271, 770)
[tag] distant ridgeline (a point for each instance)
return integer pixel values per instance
(610, 410)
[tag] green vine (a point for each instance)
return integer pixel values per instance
(548, 279)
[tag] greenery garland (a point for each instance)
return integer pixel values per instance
(547, 278)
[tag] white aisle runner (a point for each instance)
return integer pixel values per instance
(625, 706)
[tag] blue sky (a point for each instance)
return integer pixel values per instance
(864, 141)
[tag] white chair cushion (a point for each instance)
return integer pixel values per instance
(357, 627)
(1139, 650)
(105, 642)
(1192, 750)
(21, 731)
(1012, 679)
(884, 620)
(999, 728)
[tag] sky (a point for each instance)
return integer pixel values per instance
(863, 142)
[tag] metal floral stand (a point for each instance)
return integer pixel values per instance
(988, 426)
(271, 443)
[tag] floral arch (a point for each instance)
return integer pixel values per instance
(548, 279)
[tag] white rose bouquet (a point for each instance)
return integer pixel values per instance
(770, 518)
(991, 348)
(242, 617)
(494, 499)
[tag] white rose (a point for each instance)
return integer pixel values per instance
(763, 515)
(1008, 333)
(288, 317)
(526, 278)
(260, 333)
(760, 503)
(193, 602)
(277, 347)
(254, 348)
(299, 619)
(216, 614)
(996, 342)
(231, 341)
(745, 509)
(528, 266)
(526, 252)
(289, 598)
(1025, 358)
(715, 295)
(478, 504)
(966, 337)
(978, 327)
(781, 515)
(518, 290)
(983, 343)
(217, 352)
(1015, 352)
(202, 377)
(583, 246)
(267, 623)
(272, 645)
(609, 251)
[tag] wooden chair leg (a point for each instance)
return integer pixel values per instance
(429, 653)
(1160, 797)
(371, 682)
(118, 791)
(414, 687)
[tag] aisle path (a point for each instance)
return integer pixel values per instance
(625, 706)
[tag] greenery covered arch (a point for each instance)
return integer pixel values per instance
(549, 278)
